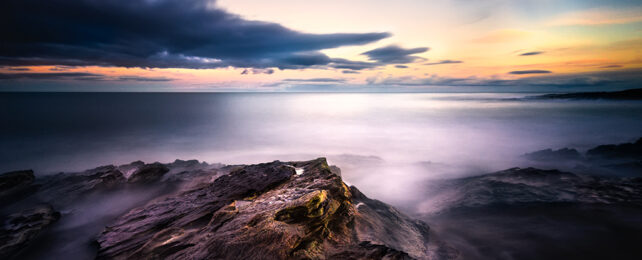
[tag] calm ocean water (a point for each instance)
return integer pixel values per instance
(51, 132)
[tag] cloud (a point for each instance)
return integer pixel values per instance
(532, 53)
(54, 76)
(336, 80)
(340, 63)
(144, 79)
(630, 78)
(443, 62)
(61, 68)
(394, 54)
(83, 76)
(522, 72)
(156, 34)
(257, 71)
(611, 66)
(588, 81)
(17, 69)
(350, 72)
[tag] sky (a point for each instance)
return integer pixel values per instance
(332, 45)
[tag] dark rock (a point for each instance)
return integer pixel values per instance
(336, 170)
(19, 230)
(269, 211)
(148, 173)
(564, 154)
(191, 170)
(367, 250)
(15, 185)
(617, 151)
(630, 94)
(626, 168)
(529, 213)
(65, 188)
(187, 164)
(604, 160)
(518, 186)
(128, 169)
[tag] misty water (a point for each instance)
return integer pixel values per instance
(381, 141)
(388, 145)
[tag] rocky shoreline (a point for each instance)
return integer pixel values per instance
(277, 210)
(304, 210)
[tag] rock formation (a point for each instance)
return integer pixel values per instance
(521, 186)
(19, 229)
(278, 210)
(629, 94)
(623, 159)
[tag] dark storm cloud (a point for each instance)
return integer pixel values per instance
(443, 62)
(395, 54)
(340, 63)
(523, 72)
(18, 69)
(531, 53)
(83, 76)
(157, 34)
(60, 75)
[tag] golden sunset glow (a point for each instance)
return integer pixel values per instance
(481, 40)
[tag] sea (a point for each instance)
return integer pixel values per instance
(463, 133)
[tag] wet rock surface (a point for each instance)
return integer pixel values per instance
(530, 185)
(278, 210)
(90, 200)
(20, 229)
(529, 213)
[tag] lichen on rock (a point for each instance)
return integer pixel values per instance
(265, 211)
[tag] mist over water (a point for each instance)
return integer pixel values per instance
(390, 146)
(404, 134)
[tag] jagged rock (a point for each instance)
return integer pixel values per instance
(191, 170)
(148, 173)
(564, 154)
(278, 210)
(617, 151)
(529, 213)
(19, 229)
(336, 170)
(519, 186)
(187, 164)
(63, 188)
(381, 224)
(129, 169)
(15, 185)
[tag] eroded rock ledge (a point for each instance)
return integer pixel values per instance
(278, 210)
